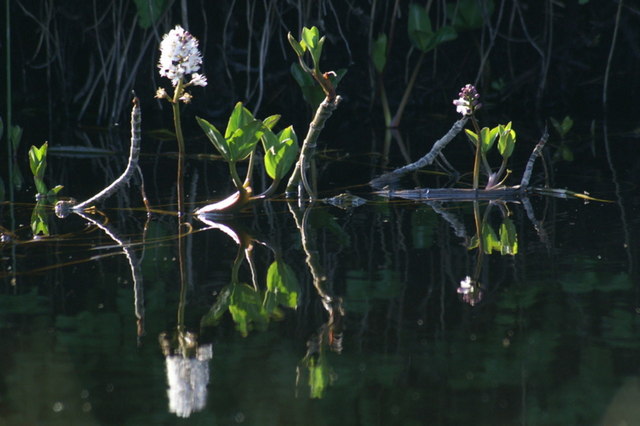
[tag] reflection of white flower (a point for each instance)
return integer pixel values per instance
(188, 379)
(470, 291)
(465, 286)
(179, 57)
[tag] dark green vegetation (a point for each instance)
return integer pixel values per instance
(338, 312)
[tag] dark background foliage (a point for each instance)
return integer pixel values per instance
(76, 62)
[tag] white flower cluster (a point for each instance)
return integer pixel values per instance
(188, 379)
(180, 56)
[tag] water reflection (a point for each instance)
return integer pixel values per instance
(358, 304)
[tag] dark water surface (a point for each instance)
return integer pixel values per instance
(357, 315)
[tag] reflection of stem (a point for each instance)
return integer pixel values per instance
(478, 224)
(183, 277)
(134, 264)
(332, 304)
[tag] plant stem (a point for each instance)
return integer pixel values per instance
(477, 158)
(8, 126)
(235, 177)
(175, 104)
(405, 98)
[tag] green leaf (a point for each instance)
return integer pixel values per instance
(55, 190)
(508, 238)
(40, 186)
(283, 283)
(297, 47)
(149, 11)
(567, 124)
(470, 14)
(379, 52)
(281, 153)
(216, 138)
(473, 137)
(240, 117)
(507, 141)
(488, 138)
(420, 32)
(244, 140)
(271, 121)
(311, 37)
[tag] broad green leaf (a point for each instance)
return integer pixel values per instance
(271, 121)
(419, 27)
(280, 156)
(508, 238)
(444, 34)
(297, 47)
(216, 138)
(311, 90)
(40, 186)
(55, 190)
(567, 124)
(472, 136)
(311, 37)
(244, 140)
(240, 117)
(283, 283)
(379, 52)
(470, 14)
(567, 154)
(507, 141)
(488, 138)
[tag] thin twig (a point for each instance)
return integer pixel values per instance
(526, 176)
(388, 178)
(63, 208)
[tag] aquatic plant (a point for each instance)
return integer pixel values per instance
(180, 58)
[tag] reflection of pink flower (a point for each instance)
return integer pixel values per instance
(469, 291)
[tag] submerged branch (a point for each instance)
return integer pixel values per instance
(391, 177)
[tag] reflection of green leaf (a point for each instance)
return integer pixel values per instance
(39, 219)
(283, 284)
(508, 237)
(423, 225)
(318, 377)
(489, 239)
(218, 309)
(245, 307)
